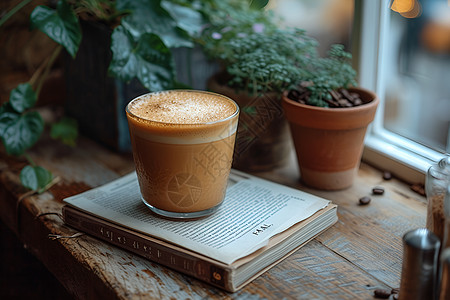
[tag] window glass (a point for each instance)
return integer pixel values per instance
(328, 21)
(417, 72)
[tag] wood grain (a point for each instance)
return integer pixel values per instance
(360, 253)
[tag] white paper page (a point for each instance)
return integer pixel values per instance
(253, 211)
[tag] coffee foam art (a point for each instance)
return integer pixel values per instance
(182, 117)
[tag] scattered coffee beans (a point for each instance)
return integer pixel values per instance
(382, 294)
(364, 200)
(418, 188)
(378, 190)
(387, 175)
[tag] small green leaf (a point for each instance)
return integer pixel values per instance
(61, 25)
(7, 117)
(22, 97)
(251, 110)
(20, 132)
(65, 130)
(35, 178)
(258, 4)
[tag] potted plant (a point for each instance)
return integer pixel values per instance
(259, 61)
(137, 46)
(328, 118)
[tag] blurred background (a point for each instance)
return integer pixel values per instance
(416, 67)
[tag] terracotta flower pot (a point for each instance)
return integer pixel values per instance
(262, 140)
(329, 141)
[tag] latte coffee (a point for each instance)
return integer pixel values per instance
(183, 143)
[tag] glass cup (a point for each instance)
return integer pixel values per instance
(183, 142)
(436, 183)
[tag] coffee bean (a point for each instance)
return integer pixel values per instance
(344, 102)
(418, 188)
(382, 294)
(378, 190)
(387, 175)
(364, 200)
(357, 102)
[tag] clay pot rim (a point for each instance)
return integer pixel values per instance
(373, 102)
(332, 118)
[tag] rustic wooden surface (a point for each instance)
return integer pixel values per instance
(360, 253)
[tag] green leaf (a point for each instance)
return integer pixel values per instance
(150, 17)
(7, 114)
(61, 25)
(65, 130)
(251, 110)
(35, 178)
(123, 63)
(258, 4)
(156, 65)
(186, 18)
(149, 60)
(7, 117)
(20, 132)
(22, 97)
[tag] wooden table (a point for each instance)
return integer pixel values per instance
(359, 254)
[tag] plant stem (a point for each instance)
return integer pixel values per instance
(39, 71)
(30, 160)
(14, 10)
(52, 59)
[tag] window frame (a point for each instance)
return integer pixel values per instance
(406, 159)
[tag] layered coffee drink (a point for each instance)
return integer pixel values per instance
(183, 143)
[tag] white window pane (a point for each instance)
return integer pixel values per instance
(417, 70)
(378, 38)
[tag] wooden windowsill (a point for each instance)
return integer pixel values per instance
(360, 253)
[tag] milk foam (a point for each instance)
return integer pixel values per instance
(182, 117)
(182, 107)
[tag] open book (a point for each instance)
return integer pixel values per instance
(258, 224)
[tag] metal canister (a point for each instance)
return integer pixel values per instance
(420, 261)
(445, 252)
(445, 275)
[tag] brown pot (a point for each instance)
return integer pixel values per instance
(262, 140)
(329, 141)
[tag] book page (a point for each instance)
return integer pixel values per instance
(253, 211)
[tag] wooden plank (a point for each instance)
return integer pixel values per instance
(370, 236)
(316, 272)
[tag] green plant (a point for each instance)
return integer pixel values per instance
(263, 62)
(231, 18)
(257, 55)
(325, 76)
(143, 33)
